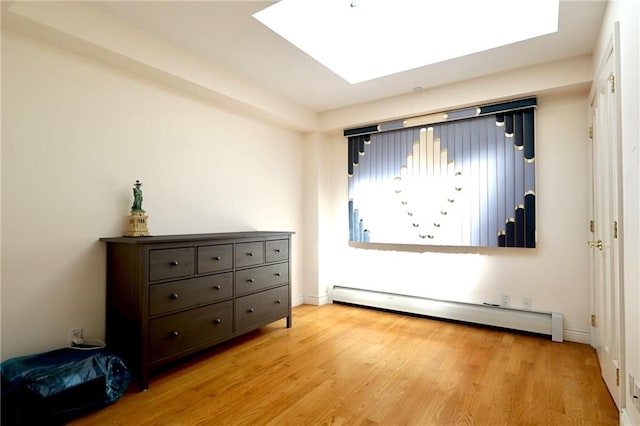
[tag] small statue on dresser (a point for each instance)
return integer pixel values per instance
(137, 197)
(137, 226)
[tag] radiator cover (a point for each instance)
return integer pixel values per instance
(547, 323)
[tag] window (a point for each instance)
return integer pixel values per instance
(462, 178)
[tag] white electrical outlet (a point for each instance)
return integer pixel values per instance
(75, 335)
(505, 300)
(526, 303)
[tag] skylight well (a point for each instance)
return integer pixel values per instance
(367, 39)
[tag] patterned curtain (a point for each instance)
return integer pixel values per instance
(462, 178)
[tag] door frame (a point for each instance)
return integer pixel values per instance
(612, 52)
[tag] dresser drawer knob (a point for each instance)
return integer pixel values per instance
(216, 258)
(174, 263)
(277, 274)
(250, 254)
(277, 250)
(217, 287)
(251, 280)
(175, 333)
(217, 321)
(278, 302)
(174, 295)
(251, 310)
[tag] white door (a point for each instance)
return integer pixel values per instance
(606, 238)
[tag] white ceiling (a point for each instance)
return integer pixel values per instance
(225, 33)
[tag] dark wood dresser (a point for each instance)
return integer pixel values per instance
(170, 296)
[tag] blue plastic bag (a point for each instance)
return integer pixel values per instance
(60, 384)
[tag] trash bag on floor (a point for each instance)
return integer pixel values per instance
(57, 386)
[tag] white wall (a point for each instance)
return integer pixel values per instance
(75, 136)
(626, 13)
(84, 29)
(554, 275)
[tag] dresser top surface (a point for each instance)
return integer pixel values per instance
(155, 239)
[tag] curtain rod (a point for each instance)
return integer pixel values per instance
(441, 117)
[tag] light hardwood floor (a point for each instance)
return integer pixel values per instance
(353, 366)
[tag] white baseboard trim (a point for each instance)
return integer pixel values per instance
(578, 336)
(316, 300)
(569, 334)
(544, 323)
(625, 419)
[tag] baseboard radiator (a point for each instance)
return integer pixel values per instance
(546, 323)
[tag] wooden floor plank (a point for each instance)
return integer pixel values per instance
(341, 365)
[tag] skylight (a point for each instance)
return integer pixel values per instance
(361, 40)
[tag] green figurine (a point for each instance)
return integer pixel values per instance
(137, 197)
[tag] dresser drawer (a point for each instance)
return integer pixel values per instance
(183, 294)
(255, 279)
(277, 250)
(215, 258)
(171, 263)
(248, 254)
(178, 332)
(263, 306)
